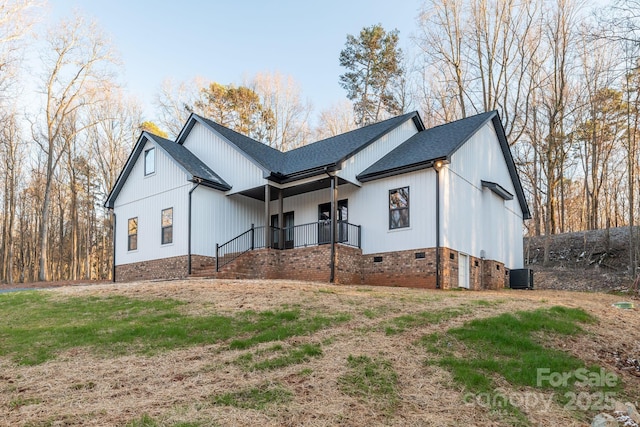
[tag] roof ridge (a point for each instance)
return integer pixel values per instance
(236, 132)
(355, 130)
(462, 119)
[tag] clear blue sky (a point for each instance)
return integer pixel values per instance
(228, 41)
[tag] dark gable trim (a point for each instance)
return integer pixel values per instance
(281, 178)
(210, 184)
(515, 179)
(309, 173)
(416, 121)
(498, 189)
(131, 161)
(191, 121)
(399, 171)
(506, 152)
(124, 173)
(336, 166)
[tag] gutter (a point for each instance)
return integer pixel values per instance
(197, 184)
(437, 166)
(113, 266)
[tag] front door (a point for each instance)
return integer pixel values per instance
(287, 232)
(324, 222)
(463, 271)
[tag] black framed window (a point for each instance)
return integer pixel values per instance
(167, 226)
(399, 208)
(149, 161)
(132, 228)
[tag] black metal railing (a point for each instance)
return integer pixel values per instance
(253, 238)
(297, 236)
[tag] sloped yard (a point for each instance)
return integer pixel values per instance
(202, 353)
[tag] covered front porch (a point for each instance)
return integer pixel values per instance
(296, 215)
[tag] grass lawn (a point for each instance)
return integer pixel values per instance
(202, 353)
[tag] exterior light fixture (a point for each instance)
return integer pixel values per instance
(438, 165)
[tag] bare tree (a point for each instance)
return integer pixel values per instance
(12, 154)
(110, 142)
(75, 64)
(16, 21)
(442, 28)
(480, 53)
(290, 114)
(175, 102)
(335, 120)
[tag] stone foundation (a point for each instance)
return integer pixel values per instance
(414, 268)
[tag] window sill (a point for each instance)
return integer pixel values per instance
(395, 230)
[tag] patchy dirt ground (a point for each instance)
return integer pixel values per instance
(79, 388)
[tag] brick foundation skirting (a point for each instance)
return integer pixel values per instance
(413, 268)
(166, 268)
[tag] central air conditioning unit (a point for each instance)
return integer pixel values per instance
(521, 278)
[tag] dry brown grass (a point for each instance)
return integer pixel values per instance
(79, 388)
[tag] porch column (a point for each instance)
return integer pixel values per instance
(280, 220)
(267, 216)
(334, 228)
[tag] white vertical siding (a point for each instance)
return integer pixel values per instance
(376, 150)
(305, 206)
(145, 197)
(217, 218)
(225, 160)
(369, 207)
(474, 219)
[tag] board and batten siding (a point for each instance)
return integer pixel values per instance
(224, 159)
(369, 207)
(474, 220)
(145, 197)
(305, 206)
(217, 218)
(354, 165)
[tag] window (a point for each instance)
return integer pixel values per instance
(167, 226)
(399, 208)
(149, 161)
(132, 244)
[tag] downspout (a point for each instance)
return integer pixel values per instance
(437, 166)
(332, 261)
(113, 266)
(198, 181)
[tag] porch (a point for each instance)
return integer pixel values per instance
(286, 238)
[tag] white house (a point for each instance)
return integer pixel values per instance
(391, 203)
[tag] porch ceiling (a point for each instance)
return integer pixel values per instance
(258, 192)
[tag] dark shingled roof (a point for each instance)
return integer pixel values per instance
(425, 147)
(325, 153)
(191, 163)
(185, 158)
(334, 150)
(269, 158)
(418, 152)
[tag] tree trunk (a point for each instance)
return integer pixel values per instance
(44, 231)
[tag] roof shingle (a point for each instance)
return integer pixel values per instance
(190, 162)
